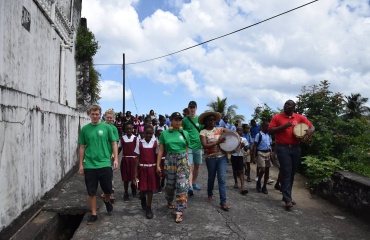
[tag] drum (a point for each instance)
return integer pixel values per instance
(300, 130)
(232, 142)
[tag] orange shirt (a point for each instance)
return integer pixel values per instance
(286, 136)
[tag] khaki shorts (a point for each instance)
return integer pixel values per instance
(263, 159)
(246, 157)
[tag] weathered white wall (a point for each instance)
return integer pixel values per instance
(37, 146)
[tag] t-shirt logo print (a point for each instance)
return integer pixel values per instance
(100, 132)
(181, 137)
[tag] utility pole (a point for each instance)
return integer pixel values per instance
(124, 84)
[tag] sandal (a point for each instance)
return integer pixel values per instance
(243, 192)
(225, 207)
(178, 219)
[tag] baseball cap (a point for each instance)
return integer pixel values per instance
(176, 115)
(192, 104)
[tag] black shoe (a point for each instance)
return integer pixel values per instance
(92, 219)
(125, 197)
(190, 191)
(149, 213)
(108, 206)
(162, 183)
(143, 203)
(258, 186)
(277, 186)
(248, 179)
(133, 190)
(264, 190)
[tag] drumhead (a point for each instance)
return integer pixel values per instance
(300, 130)
(232, 141)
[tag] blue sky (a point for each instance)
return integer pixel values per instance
(268, 63)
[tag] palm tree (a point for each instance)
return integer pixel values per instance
(221, 106)
(355, 106)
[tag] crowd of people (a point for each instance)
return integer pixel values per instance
(165, 152)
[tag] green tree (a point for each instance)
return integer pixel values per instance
(263, 113)
(220, 105)
(355, 106)
(88, 88)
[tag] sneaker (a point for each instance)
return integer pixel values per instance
(125, 197)
(143, 203)
(196, 187)
(190, 191)
(256, 179)
(149, 213)
(108, 206)
(264, 190)
(92, 219)
(248, 179)
(270, 181)
(258, 186)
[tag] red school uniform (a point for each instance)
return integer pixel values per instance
(128, 158)
(148, 178)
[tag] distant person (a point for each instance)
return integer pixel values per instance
(262, 151)
(109, 116)
(175, 142)
(237, 162)
(214, 156)
(128, 119)
(128, 164)
(119, 124)
(185, 112)
(145, 170)
(168, 122)
(287, 146)
(247, 152)
(254, 128)
(152, 114)
(96, 143)
(161, 124)
(192, 126)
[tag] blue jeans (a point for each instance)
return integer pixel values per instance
(217, 165)
(289, 157)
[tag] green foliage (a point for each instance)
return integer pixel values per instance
(86, 45)
(355, 106)
(220, 105)
(94, 84)
(319, 169)
(263, 113)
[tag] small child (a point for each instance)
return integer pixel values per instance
(247, 153)
(145, 170)
(128, 144)
(158, 133)
(237, 162)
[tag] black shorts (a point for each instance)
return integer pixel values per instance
(99, 175)
(237, 163)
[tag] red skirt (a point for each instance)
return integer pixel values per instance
(127, 169)
(148, 179)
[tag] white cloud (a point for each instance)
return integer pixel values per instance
(112, 91)
(265, 63)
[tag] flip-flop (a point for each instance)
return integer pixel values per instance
(243, 192)
(178, 219)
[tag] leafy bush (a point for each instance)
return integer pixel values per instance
(319, 169)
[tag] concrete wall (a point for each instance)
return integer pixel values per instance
(38, 131)
(348, 190)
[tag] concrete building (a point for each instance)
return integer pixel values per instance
(39, 122)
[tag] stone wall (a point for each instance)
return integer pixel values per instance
(39, 124)
(348, 190)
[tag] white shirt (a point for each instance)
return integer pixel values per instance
(146, 145)
(239, 152)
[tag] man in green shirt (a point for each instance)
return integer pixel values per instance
(191, 125)
(97, 144)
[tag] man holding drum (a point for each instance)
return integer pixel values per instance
(288, 150)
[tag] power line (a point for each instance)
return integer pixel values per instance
(241, 29)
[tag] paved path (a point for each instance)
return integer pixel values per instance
(253, 216)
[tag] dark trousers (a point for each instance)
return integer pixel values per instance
(289, 157)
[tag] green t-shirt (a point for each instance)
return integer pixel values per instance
(173, 141)
(193, 132)
(98, 149)
(115, 133)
